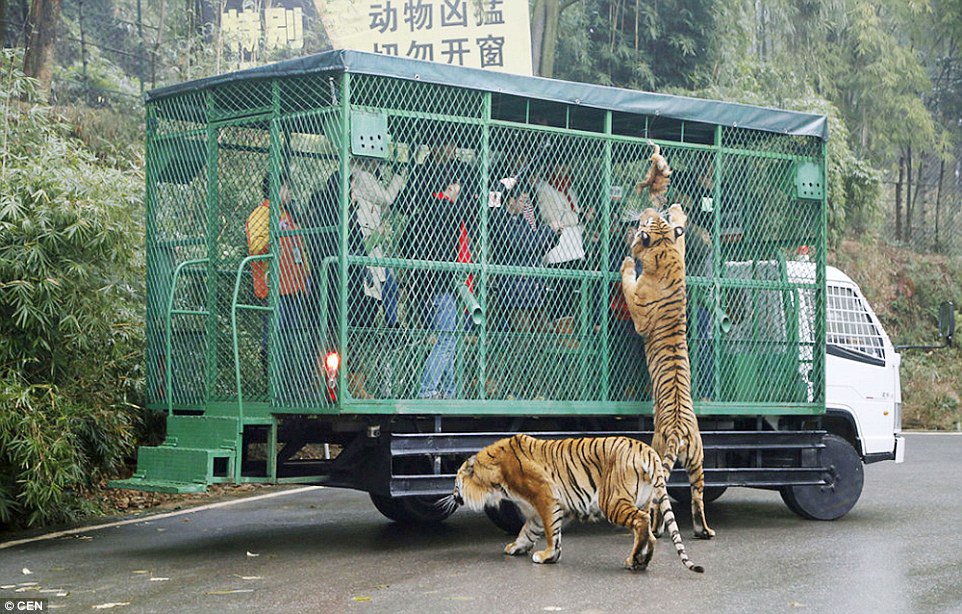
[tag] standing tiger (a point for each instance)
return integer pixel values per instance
(656, 302)
(616, 477)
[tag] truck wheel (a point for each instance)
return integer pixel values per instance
(834, 500)
(412, 510)
(506, 516)
(682, 494)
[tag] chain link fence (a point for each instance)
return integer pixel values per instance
(930, 207)
(366, 241)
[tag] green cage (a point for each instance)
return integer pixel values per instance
(351, 235)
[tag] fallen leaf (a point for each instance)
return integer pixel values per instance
(112, 604)
(158, 579)
(52, 590)
(33, 587)
(252, 555)
(249, 577)
(140, 571)
(185, 520)
(795, 604)
(8, 586)
(27, 572)
(462, 598)
(361, 599)
(552, 608)
(161, 530)
(27, 584)
(230, 591)
(382, 586)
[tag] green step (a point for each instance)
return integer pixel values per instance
(202, 432)
(161, 486)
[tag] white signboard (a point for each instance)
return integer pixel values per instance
(488, 34)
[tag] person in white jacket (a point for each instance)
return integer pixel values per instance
(374, 200)
(559, 208)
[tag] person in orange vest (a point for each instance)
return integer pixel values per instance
(293, 286)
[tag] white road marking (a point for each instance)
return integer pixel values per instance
(151, 518)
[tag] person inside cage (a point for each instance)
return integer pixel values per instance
(694, 190)
(373, 200)
(438, 230)
(629, 380)
(294, 377)
(519, 238)
(559, 209)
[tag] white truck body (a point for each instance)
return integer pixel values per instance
(862, 370)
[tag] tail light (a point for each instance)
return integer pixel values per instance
(332, 362)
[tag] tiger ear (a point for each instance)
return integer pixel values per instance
(679, 231)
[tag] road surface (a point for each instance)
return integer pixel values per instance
(327, 550)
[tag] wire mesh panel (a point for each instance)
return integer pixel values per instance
(371, 243)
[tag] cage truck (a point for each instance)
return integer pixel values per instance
(378, 327)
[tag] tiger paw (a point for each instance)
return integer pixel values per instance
(546, 556)
(516, 548)
(633, 564)
(628, 265)
(704, 533)
(676, 216)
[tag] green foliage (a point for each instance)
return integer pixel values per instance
(906, 289)
(71, 302)
(642, 45)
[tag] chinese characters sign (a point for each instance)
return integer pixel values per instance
(248, 29)
(489, 34)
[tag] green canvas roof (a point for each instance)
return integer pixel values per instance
(566, 92)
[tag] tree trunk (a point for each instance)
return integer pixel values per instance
(41, 32)
(3, 23)
(898, 201)
(938, 201)
(538, 16)
(918, 204)
(908, 196)
(550, 42)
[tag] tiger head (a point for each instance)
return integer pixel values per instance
(479, 481)
(655, 238)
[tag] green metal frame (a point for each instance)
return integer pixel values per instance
(596, 357)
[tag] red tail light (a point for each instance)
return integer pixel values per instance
(332, 362)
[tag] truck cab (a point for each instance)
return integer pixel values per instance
(863, 397)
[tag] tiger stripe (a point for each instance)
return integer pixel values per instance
(657, 302)
(617, 478)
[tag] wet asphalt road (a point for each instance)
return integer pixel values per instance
(326, 550)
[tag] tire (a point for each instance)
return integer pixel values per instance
(834, 500)
(506, 516)
(412, 510)
(682, 494)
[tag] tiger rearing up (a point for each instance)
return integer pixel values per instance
(656, 301)
(617, 477)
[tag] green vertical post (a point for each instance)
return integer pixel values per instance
(818, 356)
(344, 167)
(606, 181)
(210, 335)
(716, 266)
(482, 284)
(154, 336)
(273, 282)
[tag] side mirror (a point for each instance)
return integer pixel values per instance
(947, 322)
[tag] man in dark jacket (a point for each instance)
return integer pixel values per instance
(438, 229)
